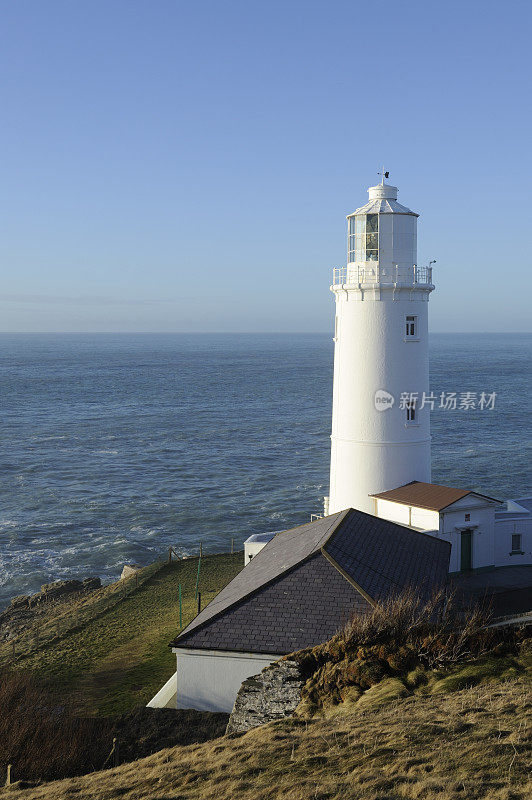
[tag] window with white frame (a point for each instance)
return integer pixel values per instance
(411, 327)
(411, 411)
(363, 238)
(516, 542)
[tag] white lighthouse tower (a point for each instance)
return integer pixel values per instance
(379, 439)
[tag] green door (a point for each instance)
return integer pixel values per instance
(466, 561)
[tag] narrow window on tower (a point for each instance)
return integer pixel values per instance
(351, 240)
(411, 327)
(372, 237)
(360, 237)
(411, 411)
(516, 542)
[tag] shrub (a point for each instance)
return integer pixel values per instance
(43, 738)
(402, 636)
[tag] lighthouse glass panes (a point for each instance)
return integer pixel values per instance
(363, 239)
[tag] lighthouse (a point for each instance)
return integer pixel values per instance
(381, 403)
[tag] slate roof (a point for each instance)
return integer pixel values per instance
(306, 606)
(307, 581)
(428, 495)
(285, 550)
(385, 558)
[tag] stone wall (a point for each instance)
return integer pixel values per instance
(272, 694)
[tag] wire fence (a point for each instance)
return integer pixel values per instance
(73, 613)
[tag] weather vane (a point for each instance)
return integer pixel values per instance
(383, 175)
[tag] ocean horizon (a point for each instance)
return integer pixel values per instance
(115, 446)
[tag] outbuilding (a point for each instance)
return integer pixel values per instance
(483, 532)
(297, 592)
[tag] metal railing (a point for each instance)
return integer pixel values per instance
(353, 275)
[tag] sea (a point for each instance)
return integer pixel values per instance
(114, 447)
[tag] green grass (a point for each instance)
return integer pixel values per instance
(486, 669)
(122, 658)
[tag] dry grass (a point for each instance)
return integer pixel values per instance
(404, 640)
(438, 629)
(471, 744)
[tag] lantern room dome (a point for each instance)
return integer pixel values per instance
(383, 200)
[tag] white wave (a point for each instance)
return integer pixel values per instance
(49, 438)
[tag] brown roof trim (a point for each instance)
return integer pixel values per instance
(431, 496)
(477, 494)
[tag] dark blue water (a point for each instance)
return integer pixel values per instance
(115, 446)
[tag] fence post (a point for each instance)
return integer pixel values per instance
(8, 776)
(200, 549)
(170, 554)
(232, 546)
(116, 758)
(199, 602)
(197, 579)
(180, 609)
(136, 579)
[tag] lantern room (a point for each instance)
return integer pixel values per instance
(382, 231)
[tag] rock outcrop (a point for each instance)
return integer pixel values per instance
(272, 694)
(51, 591)
(129, 570)
(25, 610)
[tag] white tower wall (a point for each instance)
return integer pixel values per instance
(376, 450)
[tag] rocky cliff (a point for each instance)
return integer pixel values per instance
(272, 694)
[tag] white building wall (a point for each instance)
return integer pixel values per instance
(371, 450)
(481, 523)
(395, 512)
(251, 549)
(491, 538)
(403, 514)
(504, 557)
(425, 519)
(208, 680)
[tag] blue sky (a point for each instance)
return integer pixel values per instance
(178, 166)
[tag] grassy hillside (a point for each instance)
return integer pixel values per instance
(470, 744)
(121, 658)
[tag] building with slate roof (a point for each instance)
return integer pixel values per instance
(297, 592)
(484, 533)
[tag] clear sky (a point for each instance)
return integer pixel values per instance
(187, 166)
